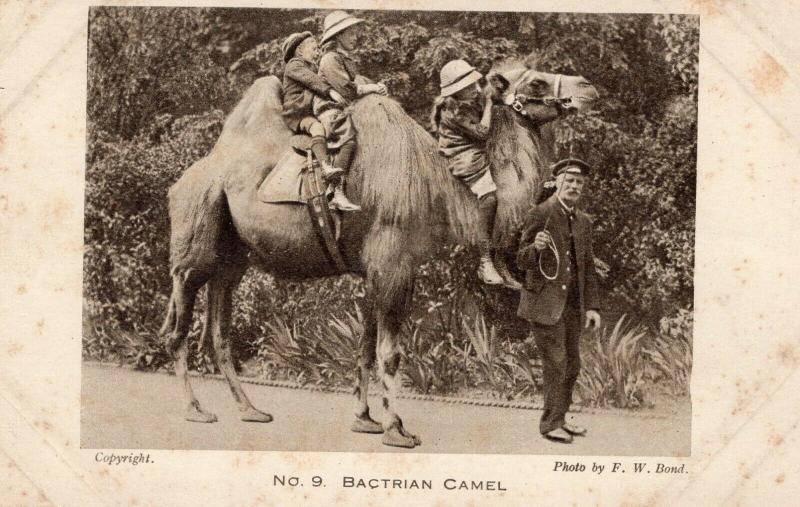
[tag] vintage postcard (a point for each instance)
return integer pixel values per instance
(492, 254)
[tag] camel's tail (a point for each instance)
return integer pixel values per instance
(169, 320)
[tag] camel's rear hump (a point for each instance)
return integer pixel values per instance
(253, 136)
(198, 214)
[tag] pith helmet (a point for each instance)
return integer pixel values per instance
(457, 75)
(572, 166)
(291, 43)
(335, 22)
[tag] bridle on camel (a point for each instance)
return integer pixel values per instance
(517, 101)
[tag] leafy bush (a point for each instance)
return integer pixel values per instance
(126, 232)
(614, 369)
(431, 366)
(671, 354)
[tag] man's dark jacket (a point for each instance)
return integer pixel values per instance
(542, 300)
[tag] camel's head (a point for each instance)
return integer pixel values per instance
(539, 96)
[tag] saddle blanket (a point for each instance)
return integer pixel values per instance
(285, 183)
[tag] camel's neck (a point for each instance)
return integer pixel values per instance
(518, 167)
(517, 148)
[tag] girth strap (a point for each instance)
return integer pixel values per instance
(320, 214)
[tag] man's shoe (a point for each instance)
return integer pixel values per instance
(487, 272)
(340, 200)
(558, 435)
(572, 429)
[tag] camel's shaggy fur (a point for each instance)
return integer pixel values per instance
(517, 164)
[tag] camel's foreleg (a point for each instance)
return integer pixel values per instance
(220, 293)
(390, 320)
(366, 360)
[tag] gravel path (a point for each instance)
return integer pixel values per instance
(124, 409)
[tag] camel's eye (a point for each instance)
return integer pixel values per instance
(536, 88)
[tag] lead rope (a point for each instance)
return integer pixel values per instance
(551, 245)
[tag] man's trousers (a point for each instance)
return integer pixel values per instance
(561, 364)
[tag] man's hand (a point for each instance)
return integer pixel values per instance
(593, 319)
(337, 97)
(541, 240)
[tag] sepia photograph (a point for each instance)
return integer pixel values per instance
(375, 231)
(369, 253)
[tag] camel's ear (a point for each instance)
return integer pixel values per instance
(498, 83)
(532, 60)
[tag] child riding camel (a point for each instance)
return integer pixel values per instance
(339, 37)
(300, 85)
(461, 117)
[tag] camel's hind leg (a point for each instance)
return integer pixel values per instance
(366, 359)
(220, 293)
(179, 319)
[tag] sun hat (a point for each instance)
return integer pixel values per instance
(457, 75)
(335, 22)
(290, 44)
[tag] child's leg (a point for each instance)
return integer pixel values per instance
(344, 158)
(342, 161)
(487, 209)
(319, 146)
(314, 128)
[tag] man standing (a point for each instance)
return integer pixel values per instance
(560, 290)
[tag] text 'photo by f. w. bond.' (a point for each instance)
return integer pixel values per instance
(375, 231)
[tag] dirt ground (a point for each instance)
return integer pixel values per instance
(134, 410)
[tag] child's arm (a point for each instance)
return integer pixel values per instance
(301, 73)
(461, 122)
(334, 72)
(486, 119)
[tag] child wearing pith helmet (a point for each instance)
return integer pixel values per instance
(339, 37)
(300, 85)
(461, 117)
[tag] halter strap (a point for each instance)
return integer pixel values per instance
(517, 101)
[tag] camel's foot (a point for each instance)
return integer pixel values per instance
(196, 414)
(397, 436)
(254, 415)
(365, 424)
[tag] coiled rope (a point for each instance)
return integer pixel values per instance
(551, 244)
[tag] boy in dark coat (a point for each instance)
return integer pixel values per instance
(301, 84)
